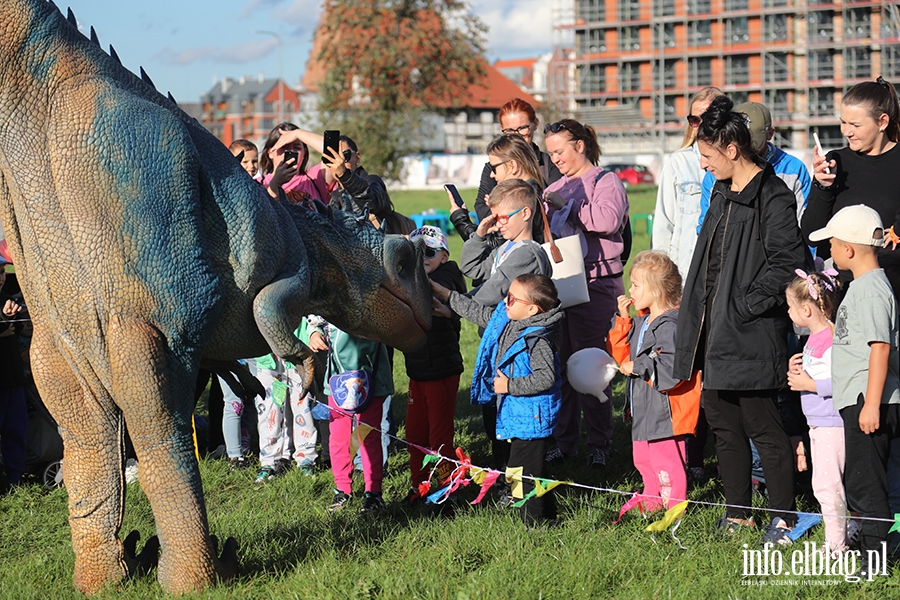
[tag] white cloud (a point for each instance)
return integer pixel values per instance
(516, 27)
(238, 54)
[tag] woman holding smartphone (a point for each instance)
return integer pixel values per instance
(283, 164)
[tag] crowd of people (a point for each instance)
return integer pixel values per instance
(768, 290)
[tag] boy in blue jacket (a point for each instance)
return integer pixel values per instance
(518, 363)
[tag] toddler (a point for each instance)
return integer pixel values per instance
(811, 303)
(663, 410)
(250, 160)
(518, 367)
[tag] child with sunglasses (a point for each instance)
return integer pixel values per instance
(518, 367)
(434, 369)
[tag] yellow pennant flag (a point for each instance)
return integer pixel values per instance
(514, 479)
(672, 515)
(477, 475)
(359, 434)
(542, 486)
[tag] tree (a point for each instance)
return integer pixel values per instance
(388, 61)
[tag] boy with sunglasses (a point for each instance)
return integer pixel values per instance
(518, 368)
(434, 369)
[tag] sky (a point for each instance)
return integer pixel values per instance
(185, 45)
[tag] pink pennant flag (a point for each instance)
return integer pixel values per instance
(489, 479)
(632, 502)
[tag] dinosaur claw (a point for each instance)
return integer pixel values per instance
(148, 557)
(227, 562)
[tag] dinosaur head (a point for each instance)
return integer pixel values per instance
(370, 284)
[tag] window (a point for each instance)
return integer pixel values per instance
(890, 63)
(737, 31)
(629, 10)
(590, 41)
(857, 63)
(591, 11)
(774, 3)
(821, 65)
(699, 7)
(736, 4)
(630, 38)
(668, 74)
(663, 8)
(739, 97)
(700, 33)
(821, 102)
(669, 113)
(776, 28)
(776, 67)
(737, 70)
(856, 24)
(630, 76)
(669, 35)
(700, 71)
(830, 136)
(821, 27)
(593, 78)
(777, 102)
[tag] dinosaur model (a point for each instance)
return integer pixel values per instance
(143, 248)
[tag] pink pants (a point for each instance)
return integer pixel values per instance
(828, 459)
(341, 428)
(661, 464)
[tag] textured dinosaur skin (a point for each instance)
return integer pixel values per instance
(143, 248)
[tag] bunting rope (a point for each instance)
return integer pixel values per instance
(486, 477)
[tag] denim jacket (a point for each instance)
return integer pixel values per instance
(678, 207)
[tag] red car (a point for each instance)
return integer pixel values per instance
(632, 174)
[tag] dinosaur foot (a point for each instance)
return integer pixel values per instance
(140, 564)
(227, 562)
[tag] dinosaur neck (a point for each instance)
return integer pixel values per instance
(30, 47)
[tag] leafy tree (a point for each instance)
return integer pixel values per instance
(386, 62)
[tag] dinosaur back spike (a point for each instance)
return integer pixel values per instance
(53, 4)
(72, 19)
(146, 78)
(94, 37)
(112, 53)
(172, 98)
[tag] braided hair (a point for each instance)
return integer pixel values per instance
(820, 289)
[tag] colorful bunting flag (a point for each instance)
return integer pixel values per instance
(896, 525)
(514, 479)
(279, 393)
(670, 517)
(359, 434)
(486, 482)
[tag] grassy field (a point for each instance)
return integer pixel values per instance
(291, 547)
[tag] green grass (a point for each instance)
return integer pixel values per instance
(291, 547)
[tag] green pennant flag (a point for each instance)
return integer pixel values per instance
(896, 525)
(279, 393)
(430, 458)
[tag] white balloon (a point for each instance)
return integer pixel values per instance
(590, 370)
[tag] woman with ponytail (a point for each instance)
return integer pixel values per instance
(733, 322)
(865, 172)
(589, 201)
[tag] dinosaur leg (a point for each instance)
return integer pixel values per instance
(92, 432)
(153, 386)
(277, 309)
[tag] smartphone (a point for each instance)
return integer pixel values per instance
(332, 140)
(821, 152)
(457, 199)
(289, 154)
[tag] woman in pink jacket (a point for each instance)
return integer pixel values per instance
(590, 202)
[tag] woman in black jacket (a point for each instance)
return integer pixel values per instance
(733, 324)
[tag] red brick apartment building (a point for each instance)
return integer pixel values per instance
(629, 66)
(247, 108)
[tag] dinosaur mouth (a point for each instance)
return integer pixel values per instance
(409, 314)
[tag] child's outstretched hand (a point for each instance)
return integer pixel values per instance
(439, 309)
(624, 303)
(439, 291)
(627, 368)
(501, 383)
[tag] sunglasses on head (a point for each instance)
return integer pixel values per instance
(493, 167)
(556, 128)
(694, 120)
(504, 219)
(510, 300)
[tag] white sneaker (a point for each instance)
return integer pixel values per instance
(131, 470)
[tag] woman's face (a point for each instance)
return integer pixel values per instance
(518, 122)
(277, 156)
(864, 134)
(500, 169)
(566, 153)
(714, 160)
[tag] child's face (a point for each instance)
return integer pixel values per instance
(518, 306)
(641, 295)
(797, 311)
(433, 262)
(250, 162)
(512, 226)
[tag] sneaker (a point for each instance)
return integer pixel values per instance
(731, 525)
(777, 533)
(340, 500)
(597, 458)
(372, 502)
(267, 473)
(307, 469)
(131, 470)
(854, 530)
(238, 463)
(556, 455)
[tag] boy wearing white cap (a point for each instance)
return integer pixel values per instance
(865, 370)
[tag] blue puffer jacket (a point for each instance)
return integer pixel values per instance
(524, 417)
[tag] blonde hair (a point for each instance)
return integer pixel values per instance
(707, 93)
(660, 275)
(512, 146)
(826, 290)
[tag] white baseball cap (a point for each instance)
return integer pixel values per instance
(852, 224)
